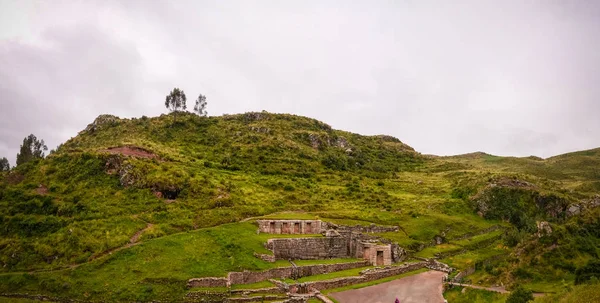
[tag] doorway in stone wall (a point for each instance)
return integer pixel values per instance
(308, 228)
(297, 228)
(272, 227)
(379, 258)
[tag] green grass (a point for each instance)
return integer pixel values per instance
(431, 252)
(158, 267)
(470, 295)
(576, 294)
(257, 285)
(471, 258)
(332, 275)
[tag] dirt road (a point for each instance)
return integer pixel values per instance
(421, 288)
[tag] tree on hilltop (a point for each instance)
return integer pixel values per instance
(176, 101)
(4, 165)
(200, 107)
(31, 149)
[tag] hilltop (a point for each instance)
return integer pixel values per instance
(160, 200)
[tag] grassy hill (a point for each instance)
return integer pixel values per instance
(156, 201)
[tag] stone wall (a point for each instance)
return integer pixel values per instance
(365, 229)
(366, 276)
(248, 277)
(310, 248)
(291, 226)
(207, 282)
(311, 270)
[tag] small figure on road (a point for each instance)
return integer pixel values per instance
(397, 301)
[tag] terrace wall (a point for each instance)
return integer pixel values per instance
(247, 277)
(310, 248)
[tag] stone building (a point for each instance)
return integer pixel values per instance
(291, 226)
(377, 254)
(339, 242)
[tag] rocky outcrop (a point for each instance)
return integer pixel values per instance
(578, 208)
(544, 228)
(101, 122)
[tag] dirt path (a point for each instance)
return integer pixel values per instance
(496, 289)
(426, 287)
(132, 241)
(138, 234)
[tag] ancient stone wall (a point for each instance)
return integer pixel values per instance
(311, 270)
(310, 248)
(248, 277)
(365, 229)
(366, 276)
(207, 282)
(291, 226)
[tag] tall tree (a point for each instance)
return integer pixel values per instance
(4, 165)
(176, 101)
(31, 149)
(200, 107)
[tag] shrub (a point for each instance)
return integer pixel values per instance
(520, 295)
(587, 272)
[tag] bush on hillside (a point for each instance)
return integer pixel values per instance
(588, 272)
(520, 295)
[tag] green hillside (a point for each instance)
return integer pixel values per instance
(157, 201)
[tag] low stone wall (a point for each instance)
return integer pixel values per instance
(247, 277)
(367, 228)
(207, 282)
(311, 270)
(366, 276)
(309, 248)
(461, 275)
(257, 298)
(439, 266)
(270, 290)
(207, 297)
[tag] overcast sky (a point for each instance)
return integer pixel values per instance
(446, 77)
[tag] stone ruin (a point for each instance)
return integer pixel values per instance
(290, 226)
(339, 242)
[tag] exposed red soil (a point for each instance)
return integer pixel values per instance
(132, 151)
(426, 287)
(14, 178)
(42, 190)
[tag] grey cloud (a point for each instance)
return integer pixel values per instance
(509, 78)
(55, 90)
